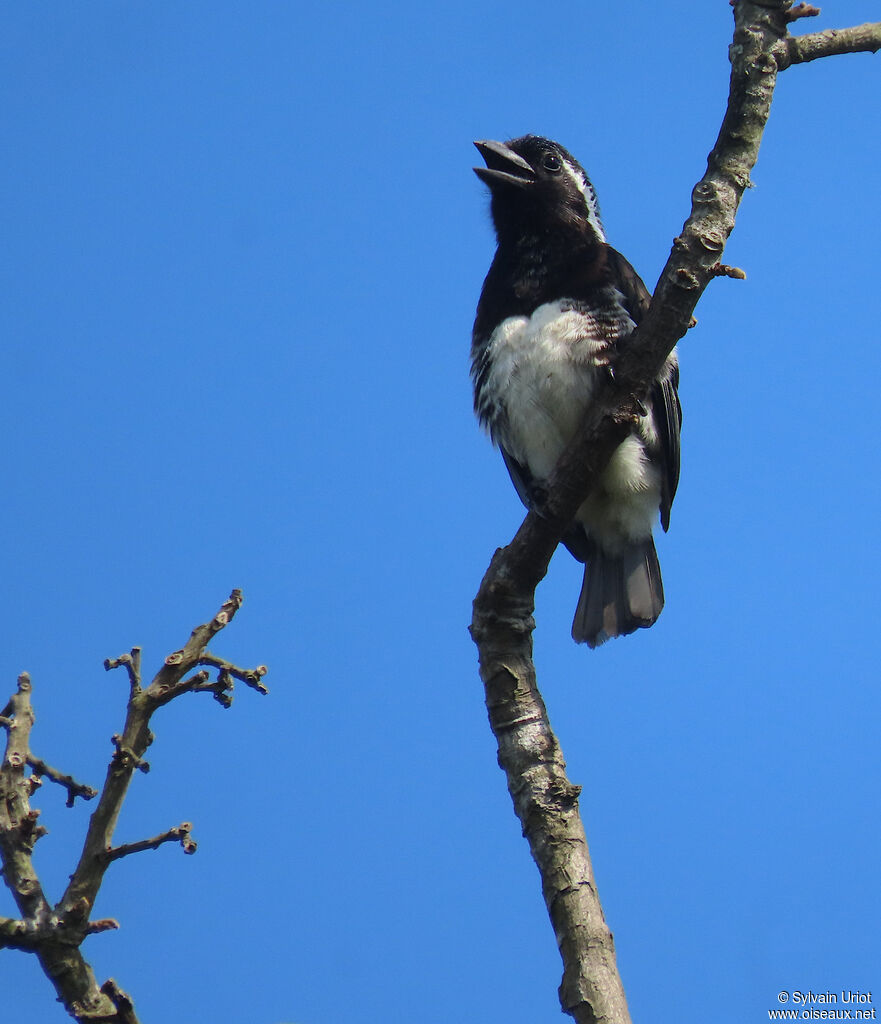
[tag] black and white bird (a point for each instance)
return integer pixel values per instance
(557, 306)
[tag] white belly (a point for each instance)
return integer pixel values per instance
(545, 368)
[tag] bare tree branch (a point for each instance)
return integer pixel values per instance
(132, 664)
(251, 677)
(723, 270)
(16, 818)
(179, 834)
(74, 789)
(831, 43)
(122, 1003)
(802, 11)
(544, 799)
(55, 934)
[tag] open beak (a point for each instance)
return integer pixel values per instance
(503, 165)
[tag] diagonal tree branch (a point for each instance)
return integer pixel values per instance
(544, 799)
(178, 834)
(167, 684)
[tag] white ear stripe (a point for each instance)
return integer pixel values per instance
(590, 197)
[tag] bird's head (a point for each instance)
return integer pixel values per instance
(538, 187)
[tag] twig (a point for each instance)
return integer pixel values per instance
(132, 664)
(221, 688)
(831, 43)
(802, 11)
(181, 834)
(251, 677)
(74, 789)
(125, 1009)
(723, 270)
(104, 924)
(126, 757)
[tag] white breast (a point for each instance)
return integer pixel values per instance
(544, 368)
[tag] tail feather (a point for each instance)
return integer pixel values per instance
(620, 593)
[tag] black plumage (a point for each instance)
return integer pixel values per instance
(557, 306)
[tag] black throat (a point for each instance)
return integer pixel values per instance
(536, 269)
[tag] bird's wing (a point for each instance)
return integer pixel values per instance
(666, 408)
(636, 297)
(667, 412)
(574, 538)
(520, 476)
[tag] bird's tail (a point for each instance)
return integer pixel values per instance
(620, 593)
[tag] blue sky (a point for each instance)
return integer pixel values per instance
(242, 246)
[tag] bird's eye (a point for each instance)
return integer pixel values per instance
(551, 162)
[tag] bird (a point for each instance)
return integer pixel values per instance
(557, 307)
